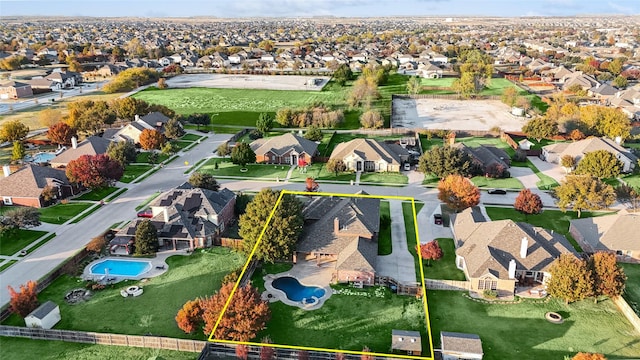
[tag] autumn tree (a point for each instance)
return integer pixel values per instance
(464, 86)
(430, 251)
(620, 82)
(336, 166)
(313, 133)
(264, 124)
(445, 160)
(48, 117)
(568, 162)
(127, 108)
(608, 278)
(25, 301)
(162, 84)
(363, 92)
(96, 244)
(588, 356)
(123, 152)
(173, 129)
(130, 79)
(21, 217)
(245, 316)
(584, 192)
(371, 120)
(18, 151)
(528, 203)
(605, 121)
(13, 130)
(458, 192)
(242, 351)
(628, 194)
(94, 171)
(599, 163)
(576, 135)
(267, 352)
(61, 133)
(189, 317)
(151, 139)
(509, 96)
(280, 237)
(224, 149)
(204, 181)
(342, 74)
(541, 128)
(242, 154)
(146, 238)
(311, 185)
(570, 279)
(414, 85)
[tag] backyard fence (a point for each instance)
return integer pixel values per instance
(411, 289)
(226, 351)
(628, 312)
(235, 244)
(444, 96)
(152, 342)
(453, 285)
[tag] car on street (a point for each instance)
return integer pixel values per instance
(497, 192)
(145, 213)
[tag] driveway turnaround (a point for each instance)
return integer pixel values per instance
(399, 264)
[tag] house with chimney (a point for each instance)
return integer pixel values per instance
(26, 186)
(93, 145)
(131, 132)
(285, 149)
(342, 232)
(371, 155)
(577, 149)
(502, 255)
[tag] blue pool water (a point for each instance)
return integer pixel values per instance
(42, 157)
(120, 267)
(296, 291)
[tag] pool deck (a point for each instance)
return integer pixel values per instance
(308, 274)
(158, 261)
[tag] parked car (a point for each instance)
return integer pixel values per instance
(407, 166)
(497, 192)
(437, 219)
(145, 213)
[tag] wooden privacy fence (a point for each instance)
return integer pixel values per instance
(433, 284)
(445, 96)
(227, 351)
(152, 342)
(628, 312)
(411, 289)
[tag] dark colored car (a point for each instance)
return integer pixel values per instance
(497, 192)
(145, 214)
(437, 219)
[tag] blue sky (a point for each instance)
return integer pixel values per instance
(279, 8)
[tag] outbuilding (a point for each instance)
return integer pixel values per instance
(45, 316)
(459, 346)
(405, 341)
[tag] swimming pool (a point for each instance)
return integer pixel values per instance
(296, 291)
(118, 267)
(41, 157)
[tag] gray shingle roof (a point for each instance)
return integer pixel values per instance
(406, 340)
(460, 342)
(579, 148)
(280, 145)
(30, 180)
(93, 145)
(43, 310)
(370, 150)
(154, 118)
(612, 232)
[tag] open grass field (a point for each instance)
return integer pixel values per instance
(632, 290)
(385, 246)
(427, 143)
(20, 348)
(188, 277)
(520, 331)
(554, 220)
(445, 268)
(60, 213)
(477, 141)
(14, 241)
(254, 171)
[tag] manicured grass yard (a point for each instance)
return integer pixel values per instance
(16, 348)
(632, 180)
(427, 144)
(188, 277)
(520, 331)
(445, 268)
(507, 183)
(384, 235)
(487, 141)
(60, 213)
(132, 172)
(384, 178)
(549, 219)
(319, 171)
(14, 241)
(97, 194)
(143, 157)
(255, 171)
(191, 137)
(632, 290)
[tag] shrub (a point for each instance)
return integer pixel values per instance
(490, 294)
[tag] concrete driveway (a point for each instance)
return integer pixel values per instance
(526, 176)
(399, 264)
(550, 169)
(427, 228)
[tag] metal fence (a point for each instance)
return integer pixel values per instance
(434, 284)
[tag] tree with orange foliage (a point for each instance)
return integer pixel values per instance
(242, 352)
(25, 301)
(576, 134)
(96, 244)
(312, 185)
(151, 139)
(588, 356)
(246, 315)
(430, 251)
(458, 192)
(189, 318)
(608, 277)
(528, 203)
(61, 133)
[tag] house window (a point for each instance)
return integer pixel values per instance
(7, 200)
(487, 283)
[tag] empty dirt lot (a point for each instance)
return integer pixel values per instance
(269, 82)
(454, 114)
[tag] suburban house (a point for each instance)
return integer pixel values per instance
(285, 149)
(342, 232)
(131, 132)
(613, 233)
(500, 255)
(66, 79)
(14, 90)
(555, 152)
(185, 217)
(93, 145)
(485, 157)
(460, 346)
(371, 155)
(26, 186)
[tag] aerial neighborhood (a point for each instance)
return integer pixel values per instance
(320, 187)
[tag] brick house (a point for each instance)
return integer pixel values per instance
(14, 90)
(370, 155)
(25, 186)
(285, 149)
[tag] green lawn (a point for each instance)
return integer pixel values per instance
(131, 172)
(324, 143)
(384, 178)
(85, 214)
(6, 265)
(632, 180)
(319, 171)
(520, 331)
(143, 157)
(255, 171)
(97, 194)
(507, 183)
(632, 290)
(440, 82)
(60, 213)
(554, 220)
(188, 277)
(546, 182)
(384, 235)
(487, 141)
(15, 240)
(427, 144)
(412, 240)
(445, 268)
(181, 145)
(17, 348)
(191, 137)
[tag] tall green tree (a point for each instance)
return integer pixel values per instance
(146, 238)
(414, 85)
(445, 160)
(242, 154)
(199, 119)
(342, 74)
(204, 181)
(18, 152)
(541, 128)
(264, 124)
(13, 130)
(123, 152)
(570, 279)
(599, 163)
(584, 192)
(280, 237)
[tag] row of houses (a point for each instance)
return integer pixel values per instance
(56, 80)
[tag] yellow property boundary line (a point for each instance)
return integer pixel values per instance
(293, 347)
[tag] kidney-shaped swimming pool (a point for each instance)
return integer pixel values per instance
(296, 291)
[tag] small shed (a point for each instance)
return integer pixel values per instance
(45, 316)
(406, 341)
(525, 144)
(517, 111)
(460, 346)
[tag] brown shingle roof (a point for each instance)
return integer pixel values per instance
(280, 145)
(613, 232)
(460, 342)
(30, 180)
(93, 145)
(370, 150)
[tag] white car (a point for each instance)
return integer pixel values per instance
(407, 166)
